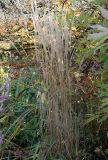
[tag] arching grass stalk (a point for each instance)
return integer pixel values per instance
(62, 121)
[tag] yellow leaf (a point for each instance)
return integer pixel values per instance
(74, 28)
(77, 13)
(69, 11)
(67, 3)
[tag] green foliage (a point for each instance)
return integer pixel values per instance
(21, 123)
(101, 2)
(100, 39)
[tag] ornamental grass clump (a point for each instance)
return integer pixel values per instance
(62, 121)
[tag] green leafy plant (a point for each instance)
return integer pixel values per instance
(21, 122)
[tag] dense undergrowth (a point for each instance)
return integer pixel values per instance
(53, 80)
